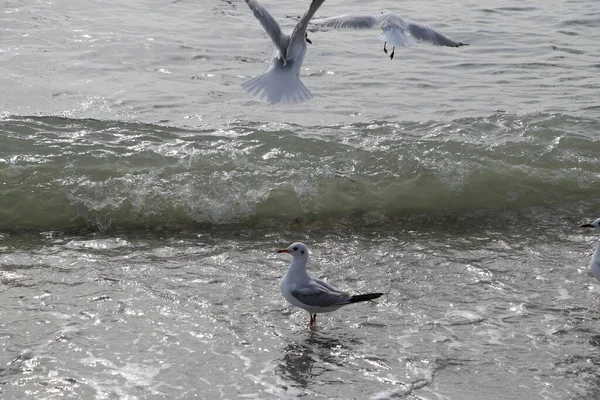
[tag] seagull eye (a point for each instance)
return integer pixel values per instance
(295, 248)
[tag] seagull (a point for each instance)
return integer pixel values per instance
(281, 83)
(595, 264)
(312, 294)
(396, 29)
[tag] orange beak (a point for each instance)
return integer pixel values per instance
(283, 251)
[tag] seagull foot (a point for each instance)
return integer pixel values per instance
(384, 48)
(313, 320)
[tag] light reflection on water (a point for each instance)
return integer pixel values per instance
(151, 316)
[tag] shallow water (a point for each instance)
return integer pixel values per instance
(466, 315)
(143, 195)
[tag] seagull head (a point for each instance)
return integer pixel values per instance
(297, 250)
(306, 38)
(595, 225)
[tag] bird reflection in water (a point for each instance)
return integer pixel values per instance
(307, 361)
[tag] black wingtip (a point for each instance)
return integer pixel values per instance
(462, 44)
(365, 297)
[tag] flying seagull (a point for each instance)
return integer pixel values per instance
(281, 83)
(396, 30)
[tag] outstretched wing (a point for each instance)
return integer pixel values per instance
(348, 22)
(300, 29)
(427, 34)
(271, 26)
(396, 30)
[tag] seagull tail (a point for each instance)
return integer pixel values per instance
(278, 85)
(396, 37)
(364, 297)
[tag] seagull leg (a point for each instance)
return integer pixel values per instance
(384, 48)
(313, 319)
(392, 55)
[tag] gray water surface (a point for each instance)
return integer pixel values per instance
(182, 62)
(466, 316)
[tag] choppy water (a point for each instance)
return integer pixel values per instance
(143, 194)
(467, 315)
(76, 174)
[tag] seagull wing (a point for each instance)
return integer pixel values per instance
(348, 22)
(392, 25)
(271, 26)
(427, 34)
(316, 294)
(327, 285)
(300, 29)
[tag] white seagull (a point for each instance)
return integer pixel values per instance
(281, 83)
(595, 264)
(396, 30)
(312, 294)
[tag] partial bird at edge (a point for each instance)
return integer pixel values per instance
(595, 263)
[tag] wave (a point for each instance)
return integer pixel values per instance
(62, 174)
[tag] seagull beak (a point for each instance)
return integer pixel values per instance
(308, 41)
(587, 226)
(283, 251)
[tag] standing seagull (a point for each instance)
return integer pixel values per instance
(396, 29)
(281, 83)
(595, 264)
(311, 294)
